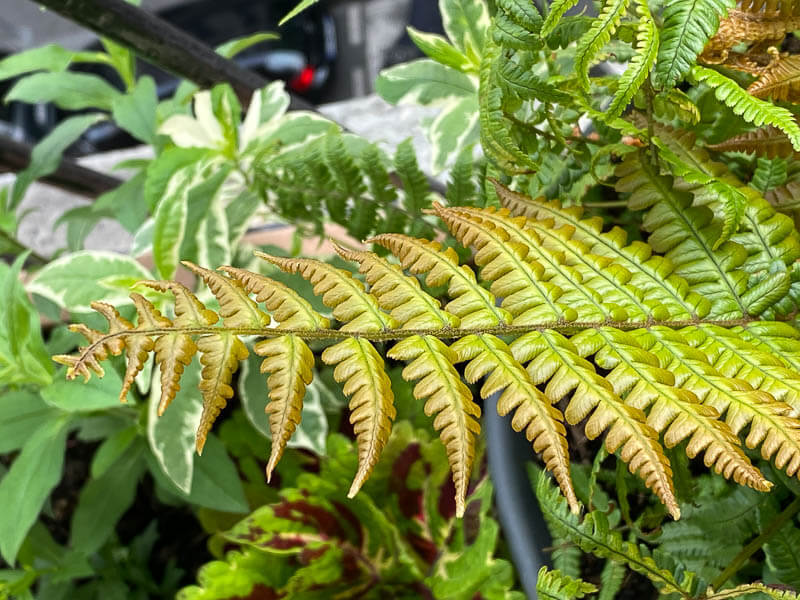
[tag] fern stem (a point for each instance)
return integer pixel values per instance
(756, 544)
(399, 334)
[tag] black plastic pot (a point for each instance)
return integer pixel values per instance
(517, 508)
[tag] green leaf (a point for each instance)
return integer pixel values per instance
(205, 239)
(46, 155)
(75, 280)
(125, 203)
(172, 436)
(112, 449)
(455, 128)
(23, 358)
(687, 26)
(233, 47)
(135, 111)
(466, 23)
(21, 415)
(311, 433)
(99, 393)
(301, 6)
(51, 57)
(104, 499)
(424, 82)
(67, 90)
(170, 220)
(439, 49)
(28, 483)
(215, 481)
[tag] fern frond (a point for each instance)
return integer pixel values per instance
(653, 275)
(337, 288)
(396, 292)
(639, 377)
(551, 356)
(753, 110)
(557, 10)
(598, 36)
(687, 234)
(470, 302)
(647, 43)
(594, 286)
(221, 353)
(174, 351)
(779, 81)
(288, 359)
(490, 357)
(747, 589)
(448, 398)
(687, 26)
(361, 369)
(769, 142)
(526, 292)
(555, 585)
(734, 357)
(594, 535)
(779, 339)
(770, 426)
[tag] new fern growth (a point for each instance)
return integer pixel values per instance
(562, 321)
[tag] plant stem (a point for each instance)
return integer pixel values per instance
(751, 548)
(34, 256)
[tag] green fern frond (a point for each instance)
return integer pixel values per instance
(598, 35)
(647, 42)
(688, 25)
(769, 174)
(557, 10)
(593, 535)
(748, 589)
(753, 110)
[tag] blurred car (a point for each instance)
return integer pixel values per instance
(303, 57)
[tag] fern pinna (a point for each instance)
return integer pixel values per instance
(653, 349)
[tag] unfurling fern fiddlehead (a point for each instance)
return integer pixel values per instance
(575, 302)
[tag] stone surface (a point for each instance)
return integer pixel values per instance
(369, 117)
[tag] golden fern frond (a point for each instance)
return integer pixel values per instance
(586, 301)
(221, 353)
(361, 369)
(543, 423)
(746, 24)
(470, 302)
(672, 371)
(552, 358)
(358, 365)
(779, 81)
(638, 376)
(522, 283)
(597, 287)
(653, 275)
(448, 398)
(775, 338)
(771, 427)
(398, 293)
(769, 142)
(734, 357)
(288, 359)
(337, 288)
